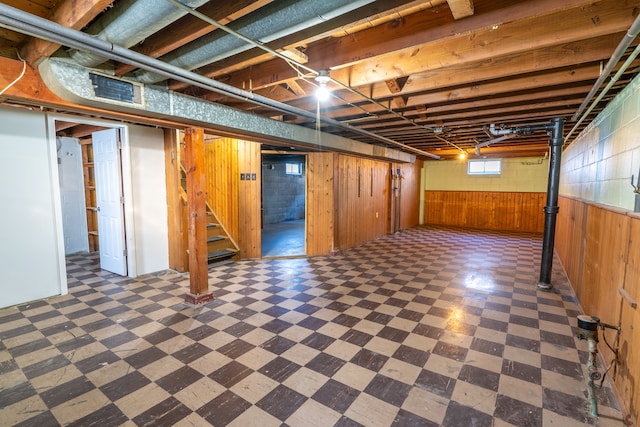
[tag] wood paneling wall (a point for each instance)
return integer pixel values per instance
(362, 200)
(599, 248)
(320, 204)
(628, 380)
(176, 204)
(510, 211)
(410, 199)
(236, 202)
(569, 238)
(250, 199)
(347, 197)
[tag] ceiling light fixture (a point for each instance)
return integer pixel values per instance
(463, 155)
(323, 92)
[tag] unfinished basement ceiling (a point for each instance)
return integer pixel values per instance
(432, 75)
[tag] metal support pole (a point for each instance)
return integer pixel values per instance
(551, 209)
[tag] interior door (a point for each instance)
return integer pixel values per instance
(109, 200)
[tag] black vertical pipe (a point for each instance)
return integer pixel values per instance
(551, 208)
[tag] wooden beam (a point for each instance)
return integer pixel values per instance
(488, 44)
(396, 85)
(461, 8)
(79, 131)
(460, 81)
(194, 164)
(413, 30)
(422, 111)
(74, 14)
(295, 87)
(399, 102)
(175, 202)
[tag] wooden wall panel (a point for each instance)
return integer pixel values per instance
(249, 199)
(509, 211)
(222, 181)
(319, 209)
(361, 202)
(410, 198)
(628, 380)
(176, 208)
(607, 240)
(236, 202)
(570, 238)
(608, 261)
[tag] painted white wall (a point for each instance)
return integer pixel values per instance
(31, 243)
(74, 212)
(521, 174)
(149, 195)
(598, 166)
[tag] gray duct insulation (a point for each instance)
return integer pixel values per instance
(276, 20)
(72, 82)
(129, 22)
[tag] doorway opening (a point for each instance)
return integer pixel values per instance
(283, 204)
(91, 191)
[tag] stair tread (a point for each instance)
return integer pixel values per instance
(221, 254)
(215, 239)
(212, 225)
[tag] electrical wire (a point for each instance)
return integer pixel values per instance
(24, 69)
(292, 62)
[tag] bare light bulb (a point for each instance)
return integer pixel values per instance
(322, 93)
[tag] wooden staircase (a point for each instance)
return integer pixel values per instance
(221, 248)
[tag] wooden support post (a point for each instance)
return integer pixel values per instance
(197, 219)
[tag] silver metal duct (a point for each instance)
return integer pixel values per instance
(129, 22)
(277, 19)
(72, 82)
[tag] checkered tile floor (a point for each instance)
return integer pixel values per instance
(428, 327)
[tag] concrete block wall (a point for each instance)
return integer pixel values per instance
(283, 196)
(598, 166)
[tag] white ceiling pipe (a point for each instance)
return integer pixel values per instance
(631, 35)
(495, 140)
(496, 132)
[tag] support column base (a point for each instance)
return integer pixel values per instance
(546, 287)
(198, 299)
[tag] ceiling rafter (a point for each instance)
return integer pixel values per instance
(461, 8)
(72, 14)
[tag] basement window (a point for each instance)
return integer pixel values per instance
(484, 167)
(293, 168)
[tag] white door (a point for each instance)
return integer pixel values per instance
(109, 201)
(74, 215)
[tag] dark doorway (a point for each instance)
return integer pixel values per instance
(283, 204)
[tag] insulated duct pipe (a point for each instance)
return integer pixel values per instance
(277, 19)
(617, 54)
(26, 23)
(129, 22)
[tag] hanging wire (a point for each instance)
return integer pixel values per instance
(24, 69)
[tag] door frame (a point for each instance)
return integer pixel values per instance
(127, 188)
